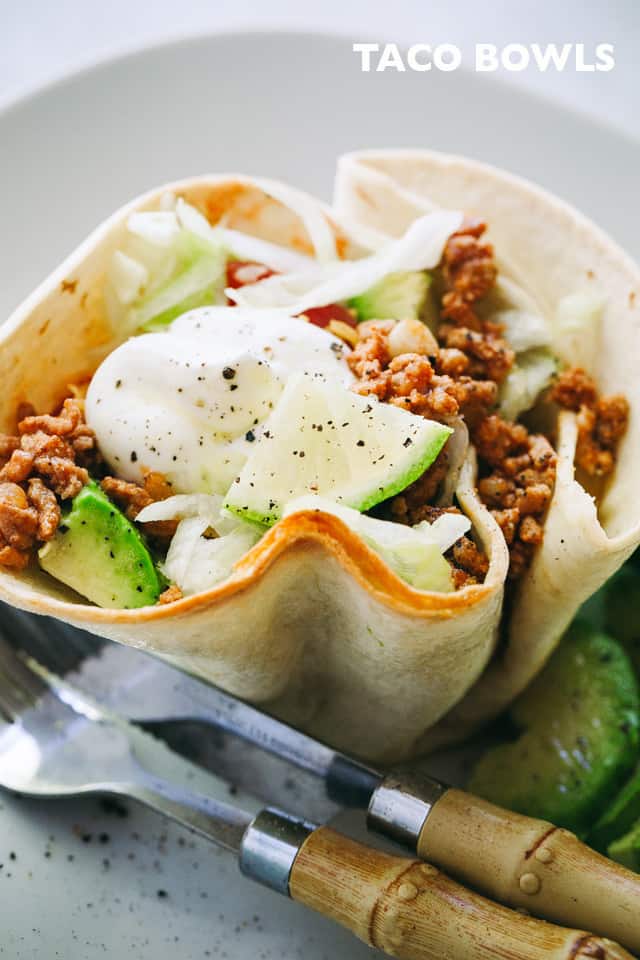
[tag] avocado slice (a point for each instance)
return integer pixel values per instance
(579, 735)
(626, 850)
(101, 555)
(622, 610)
(398, 296)
(619, 816)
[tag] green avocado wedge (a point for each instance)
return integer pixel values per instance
(622, 610)
(101, 555)
(626, 850)
(399, 296)
(579, 723)
(619, 816)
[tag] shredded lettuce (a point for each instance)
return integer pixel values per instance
(420, 248)
(523, 330)
(196, 563)
(173, 260)
(576, 327)
(311, 213)
(164, 269)
(206, 505)
(414, 553)
(196, 559)
(531, 373)
(158, 227)
(524, 321)
(445, 530)
(530, 335)
(242, 246)
(573, 337)
(198, 283)
(127, 277)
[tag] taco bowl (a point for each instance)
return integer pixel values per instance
(593, 523)
(312, 622)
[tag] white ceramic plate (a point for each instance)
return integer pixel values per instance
(283, 106)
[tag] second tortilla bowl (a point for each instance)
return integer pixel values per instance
(312, 622)
(591, 526)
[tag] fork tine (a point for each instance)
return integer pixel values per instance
(59, 647)
(20, 687)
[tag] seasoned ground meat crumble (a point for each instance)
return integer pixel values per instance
(601, 420)
(459, 371)
(47, 461)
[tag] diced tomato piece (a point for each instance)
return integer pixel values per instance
(241, 273)
(322, 316)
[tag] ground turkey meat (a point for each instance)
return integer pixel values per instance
(170, 595)
(469, 563)
(489, 357)
(47, 462)
(46, 503)
(44, 463)
(459, 373)
(469, 273)
(516, 483)
(410, 381)
(601, 421)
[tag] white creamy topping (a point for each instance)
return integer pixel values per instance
(191, 401)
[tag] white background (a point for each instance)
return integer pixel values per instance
(43, 39)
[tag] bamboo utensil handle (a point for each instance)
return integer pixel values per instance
(532, 864)
(412, 911)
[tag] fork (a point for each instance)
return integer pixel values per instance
(55, 742)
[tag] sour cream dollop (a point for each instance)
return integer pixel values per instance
(191, 401)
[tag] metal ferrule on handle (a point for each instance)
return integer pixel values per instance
(398, 809)
(270, 846)
(400, 805)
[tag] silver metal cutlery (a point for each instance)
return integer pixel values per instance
(445, 826)
(56, 742)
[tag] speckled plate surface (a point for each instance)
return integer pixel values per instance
(85, 882)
